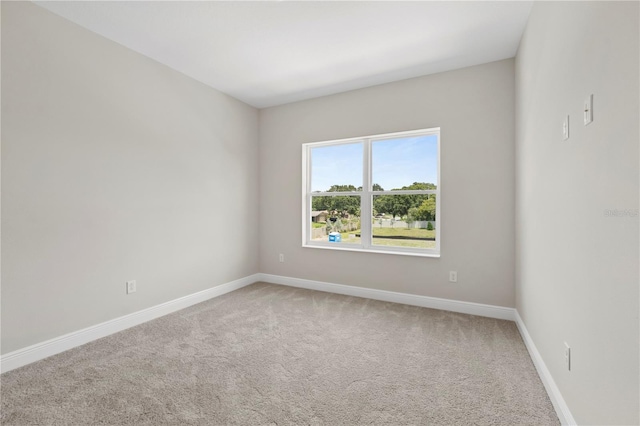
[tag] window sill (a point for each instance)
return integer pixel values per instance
(363, 250)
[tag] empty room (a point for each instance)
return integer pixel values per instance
(320, 213)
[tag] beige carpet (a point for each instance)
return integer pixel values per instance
(275, 355)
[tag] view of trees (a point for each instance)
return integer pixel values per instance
(414, 207)
(339, 204)
(425, 211)
(418, 207)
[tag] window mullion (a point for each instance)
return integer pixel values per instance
(366, 211)
(306, 194)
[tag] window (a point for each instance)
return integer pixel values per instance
(376, 193)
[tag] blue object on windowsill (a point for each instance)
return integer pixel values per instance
(335, 237)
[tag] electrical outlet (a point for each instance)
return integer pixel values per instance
(281, 258)
(567, 356)
(131, 286)
(453, 276)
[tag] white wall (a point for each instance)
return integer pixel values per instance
(114, 167)
(475, 109)
(577, 269)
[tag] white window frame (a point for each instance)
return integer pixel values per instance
(366, 197)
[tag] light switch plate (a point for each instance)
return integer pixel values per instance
(567, 356)
(565, 128)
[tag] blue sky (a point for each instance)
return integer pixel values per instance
(396, 163)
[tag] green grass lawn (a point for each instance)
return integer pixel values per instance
(318, 225)
(350, 237)
(403, 232)
(404, 243)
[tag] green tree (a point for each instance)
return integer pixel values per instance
(344, 188)
(399, 205)
(342, 205)
(395, 205)
(427, 210)
(411, 216)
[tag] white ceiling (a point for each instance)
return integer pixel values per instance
(271, 53)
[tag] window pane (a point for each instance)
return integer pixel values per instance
(335, 219)
(337, 168)
(400, 163)
(404, 221)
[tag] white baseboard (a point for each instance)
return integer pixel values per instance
(54, 346)
(479, 309)
(60, 344)
(559, 404)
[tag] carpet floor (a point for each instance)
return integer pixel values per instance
(274, 355)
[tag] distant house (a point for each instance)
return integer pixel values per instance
(319, 216)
